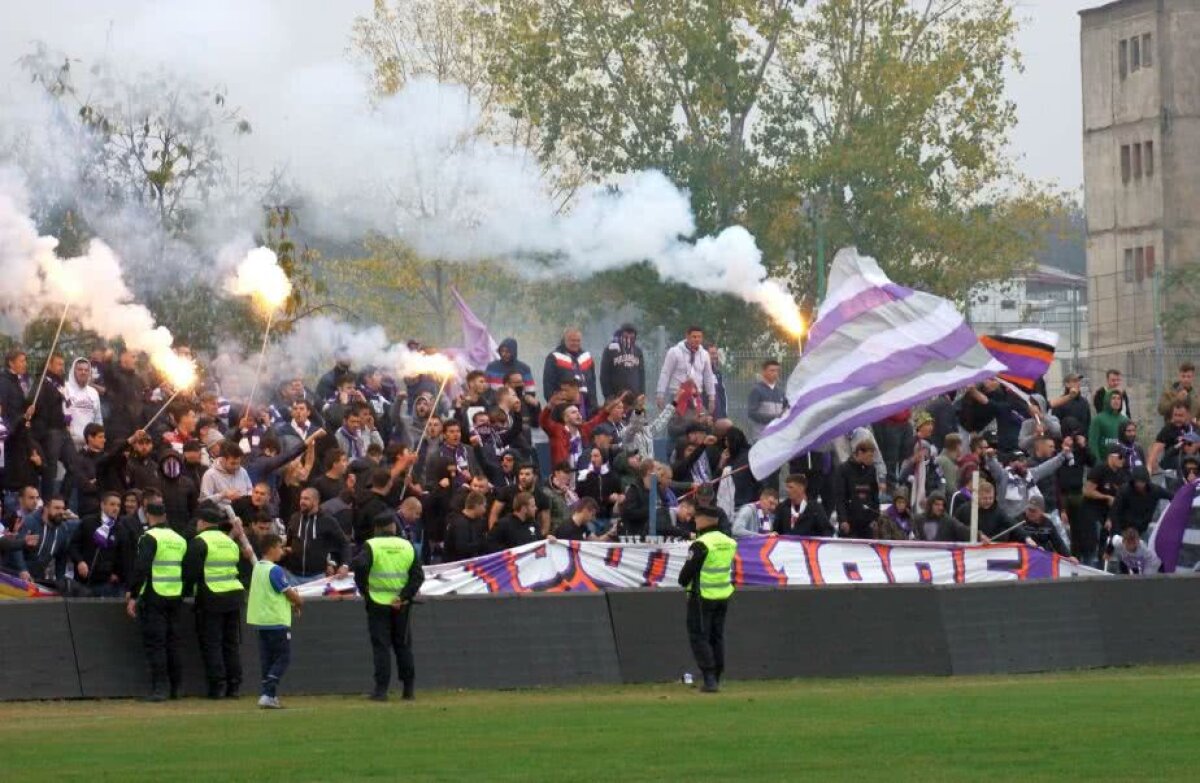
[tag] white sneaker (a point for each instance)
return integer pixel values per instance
(275, 705)
(264, 701)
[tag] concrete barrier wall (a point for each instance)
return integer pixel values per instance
(52, 649)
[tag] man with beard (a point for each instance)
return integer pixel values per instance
(82, 401)
(47, 560)
(1016, 481)
(570, 362)
(505, 502)
(518, 528)
(1037, 530)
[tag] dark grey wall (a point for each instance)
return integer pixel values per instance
(52, 649)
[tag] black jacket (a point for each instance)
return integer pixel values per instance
(101, 560)
(92, 473)
(635, 511)
(367, 507)
(362, 571)
(129, 531)
(622, 368)
(465, 538)
(856, 496)
(49, 414)
(1133, 508)
(509, 532)
(991, 520)
(1044, 536)
(126, 396)
(313, 540)
(812, 521)
(12, 398)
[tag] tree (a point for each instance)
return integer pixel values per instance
(881, 122)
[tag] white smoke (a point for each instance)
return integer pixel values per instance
(91, 285)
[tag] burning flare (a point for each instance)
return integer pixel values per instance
(414, 363)
(179, 371)
(260, 276)
(779, 305)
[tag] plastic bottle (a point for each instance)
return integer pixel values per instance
(687, 678)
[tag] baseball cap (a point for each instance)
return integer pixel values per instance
(1113, 448)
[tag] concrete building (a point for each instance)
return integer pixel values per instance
(1141, 151)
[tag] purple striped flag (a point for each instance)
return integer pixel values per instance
(479, 347)
(875, 349)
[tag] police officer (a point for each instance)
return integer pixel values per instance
(155, 598)
(388, 574)
(210, 572)
(707, 576)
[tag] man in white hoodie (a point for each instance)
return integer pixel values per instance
(81, 402)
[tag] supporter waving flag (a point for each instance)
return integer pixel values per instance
(1027, 353)
(876, 348)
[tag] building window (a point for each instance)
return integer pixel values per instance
(1149, 260)
(1137, 161)
(1139, 264)
(1122, 54)
(1124, 162)
(1147, 58)
(1129, 265)
(1148, 158)
(1135, 56)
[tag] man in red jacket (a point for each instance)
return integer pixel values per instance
(570, 436)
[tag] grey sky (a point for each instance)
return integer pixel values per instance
(280, 35)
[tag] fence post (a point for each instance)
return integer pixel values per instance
(1160, 378)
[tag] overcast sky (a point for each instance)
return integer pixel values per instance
(1046, 140)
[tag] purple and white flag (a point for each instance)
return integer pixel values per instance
(875, 349)
(479, 347)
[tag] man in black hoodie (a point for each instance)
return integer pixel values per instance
(49, 424)
(622, 365)
(314, 540)
(498, 370)
(856, 491)
(1135, 503)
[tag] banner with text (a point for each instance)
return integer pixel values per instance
(562, 566)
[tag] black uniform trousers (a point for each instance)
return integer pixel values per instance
(390, 633)
(219, 630)
(160, 638)
(706, 632)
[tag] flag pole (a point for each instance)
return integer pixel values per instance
(57, 333)
(975, 507)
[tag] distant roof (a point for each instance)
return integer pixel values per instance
(1107, 7)
(1050, 275)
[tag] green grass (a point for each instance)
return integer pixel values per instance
(1103, 725)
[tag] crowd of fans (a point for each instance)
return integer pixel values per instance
(462, 475)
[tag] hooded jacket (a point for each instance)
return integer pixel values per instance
(314, 540)
(498, 369)
(49, 414)
(82, 403)
(562, 364)
(1134, 507)
(1105, 430)
(623, 365)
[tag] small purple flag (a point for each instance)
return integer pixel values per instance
(1168, 537)
(479, 347)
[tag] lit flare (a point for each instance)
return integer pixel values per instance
(259, 276)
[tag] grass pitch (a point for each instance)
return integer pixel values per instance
(1103, 725)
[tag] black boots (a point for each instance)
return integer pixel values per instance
(408, 691)
(710, 683)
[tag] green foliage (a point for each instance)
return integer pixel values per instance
(881, 122)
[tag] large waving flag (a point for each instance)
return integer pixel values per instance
(875, 349)
(479, 347)
(1027, 353)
